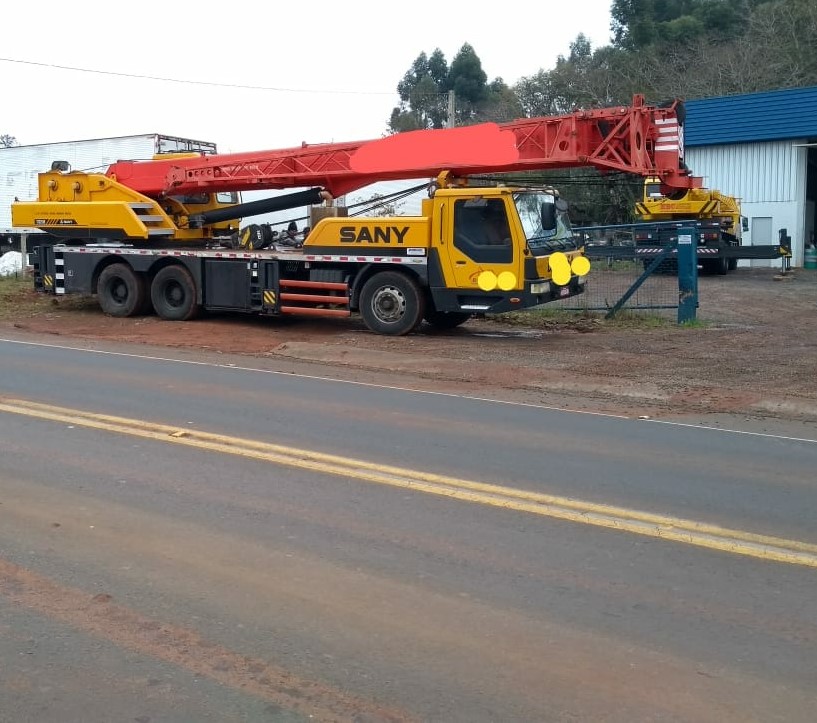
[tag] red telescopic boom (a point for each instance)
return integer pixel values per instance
(639, 139)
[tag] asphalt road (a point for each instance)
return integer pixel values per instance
(213, 554)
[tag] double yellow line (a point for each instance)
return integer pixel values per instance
(622, 519)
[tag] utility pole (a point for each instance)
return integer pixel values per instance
(450, 123)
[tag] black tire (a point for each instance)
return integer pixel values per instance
(721, 266)
(446, 319)
(391, 303)
(121, 291)
(173, 294)
(733, 264)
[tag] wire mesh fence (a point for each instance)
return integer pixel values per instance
(614, 271)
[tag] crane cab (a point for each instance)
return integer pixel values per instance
(505, 240)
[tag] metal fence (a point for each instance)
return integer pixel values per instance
(615, 270)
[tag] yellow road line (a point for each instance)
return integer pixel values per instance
(639, 522)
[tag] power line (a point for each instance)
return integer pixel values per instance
(370, 204)
(96, 71)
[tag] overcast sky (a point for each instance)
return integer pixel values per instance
(340, 62)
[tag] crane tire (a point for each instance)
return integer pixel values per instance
(721, 267)
(121, 291)
(391, 303)
(173, 293)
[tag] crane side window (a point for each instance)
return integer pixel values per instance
(481, 230)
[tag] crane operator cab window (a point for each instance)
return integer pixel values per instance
(481, 230)
(545, 222)
(652, 189)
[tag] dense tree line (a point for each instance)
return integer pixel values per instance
(688, 49)
(662, 49)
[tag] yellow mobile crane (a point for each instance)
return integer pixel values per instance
(162, 235)
(716, 215)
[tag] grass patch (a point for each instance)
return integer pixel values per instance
(587, 321)
(531, 317)
(17, 296)
(640, 320)
(19, 300)
(616, 266)
(695, 324)
(14, 283)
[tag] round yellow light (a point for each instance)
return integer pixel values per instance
(561, 276)
(506, 281)
(487, 281)
(559, 268)
(558, 259)
(580, 266)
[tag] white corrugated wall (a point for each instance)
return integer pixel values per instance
(769, 178)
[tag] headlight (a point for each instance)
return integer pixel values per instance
(543, 288)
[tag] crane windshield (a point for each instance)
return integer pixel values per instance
(545, 222)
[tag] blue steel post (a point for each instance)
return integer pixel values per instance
(687, 274)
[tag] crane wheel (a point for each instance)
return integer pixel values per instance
(121, 291)
(446, 319)
(391, 303)
(721, 267)
(173, 293)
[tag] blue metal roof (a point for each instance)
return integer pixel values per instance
(771, 116)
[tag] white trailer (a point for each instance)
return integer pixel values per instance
(19, 166)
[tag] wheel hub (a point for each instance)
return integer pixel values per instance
(389, 304)
(174, 294)
(119, 291)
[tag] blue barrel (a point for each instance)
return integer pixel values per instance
(810, 258)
